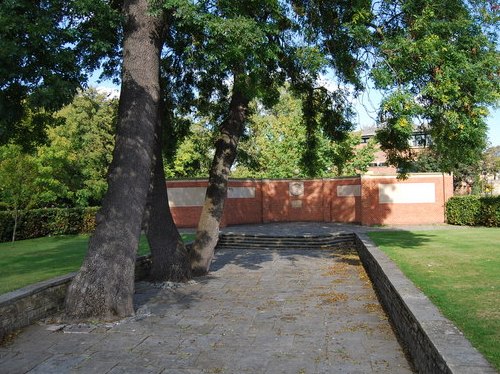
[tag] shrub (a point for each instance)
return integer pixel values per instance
(36, 223)
(489, 214)
(473, 211)
(463, 210)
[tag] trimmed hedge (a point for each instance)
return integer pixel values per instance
(473, 211)
(36, 223)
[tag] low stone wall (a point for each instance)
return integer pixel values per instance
(22, 307)
(27, 305)
(433, 342)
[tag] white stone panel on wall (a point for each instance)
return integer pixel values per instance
(241, 192)
(349, 190)
(195, 196)
(186, 196)
(407, 193)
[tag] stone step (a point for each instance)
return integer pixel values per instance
(241, 237)
(284, 242)
(246, 241)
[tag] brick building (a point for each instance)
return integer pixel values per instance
(419, 140)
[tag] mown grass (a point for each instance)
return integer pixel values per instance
(459, 270)
(29, 261)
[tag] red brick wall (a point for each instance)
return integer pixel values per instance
(279, 205)
(343, 208)
(243, 210)
(320, 202)
(376, 213)
(186, 216)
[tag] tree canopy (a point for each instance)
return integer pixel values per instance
(48, 50)
(437, 61)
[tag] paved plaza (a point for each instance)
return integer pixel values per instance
(258, 311)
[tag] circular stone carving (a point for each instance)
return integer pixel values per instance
(296, 188)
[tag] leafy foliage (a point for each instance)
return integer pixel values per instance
(48, 47)
(473, 211)
(49, 221)
(211, 47)
(439, 67)
(18, 178)
(19, 189)
(76, 160)
(71, 169)
(468, 176)
(491, 160)
(273, 147)
(193, 155)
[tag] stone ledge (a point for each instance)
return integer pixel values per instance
(434, 343)
(29, 304)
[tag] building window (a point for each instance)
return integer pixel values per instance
(420, 140)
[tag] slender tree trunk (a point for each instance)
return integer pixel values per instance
(169, 256)
(16, 220)
(104, 286)
(226, 145)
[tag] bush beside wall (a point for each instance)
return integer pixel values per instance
(473, 211)
(36, 223)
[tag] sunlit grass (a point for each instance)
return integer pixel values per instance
(29, 261)
(459, 270)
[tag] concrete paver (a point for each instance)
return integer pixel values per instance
(286, 311)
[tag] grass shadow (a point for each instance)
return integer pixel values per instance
(401, 238)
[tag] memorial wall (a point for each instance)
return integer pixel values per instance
(368, 200)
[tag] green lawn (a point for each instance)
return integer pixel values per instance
(459, 270)
(30, 261)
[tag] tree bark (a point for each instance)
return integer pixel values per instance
(226, 145)
(104, 286)
(169, 255)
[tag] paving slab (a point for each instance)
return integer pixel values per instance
(284, 311)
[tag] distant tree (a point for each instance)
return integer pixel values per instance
(276, 141)
(193, 154)
(491, 160)
(80, 147)
(19, 185)
(351, 159)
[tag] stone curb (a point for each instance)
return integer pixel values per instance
(434, 343)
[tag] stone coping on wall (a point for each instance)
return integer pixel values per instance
(357, 176)
(434, 344)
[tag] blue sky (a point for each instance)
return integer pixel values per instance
(494, 127)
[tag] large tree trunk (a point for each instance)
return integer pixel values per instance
(226, 145)
(169, 256)
(104, 286)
